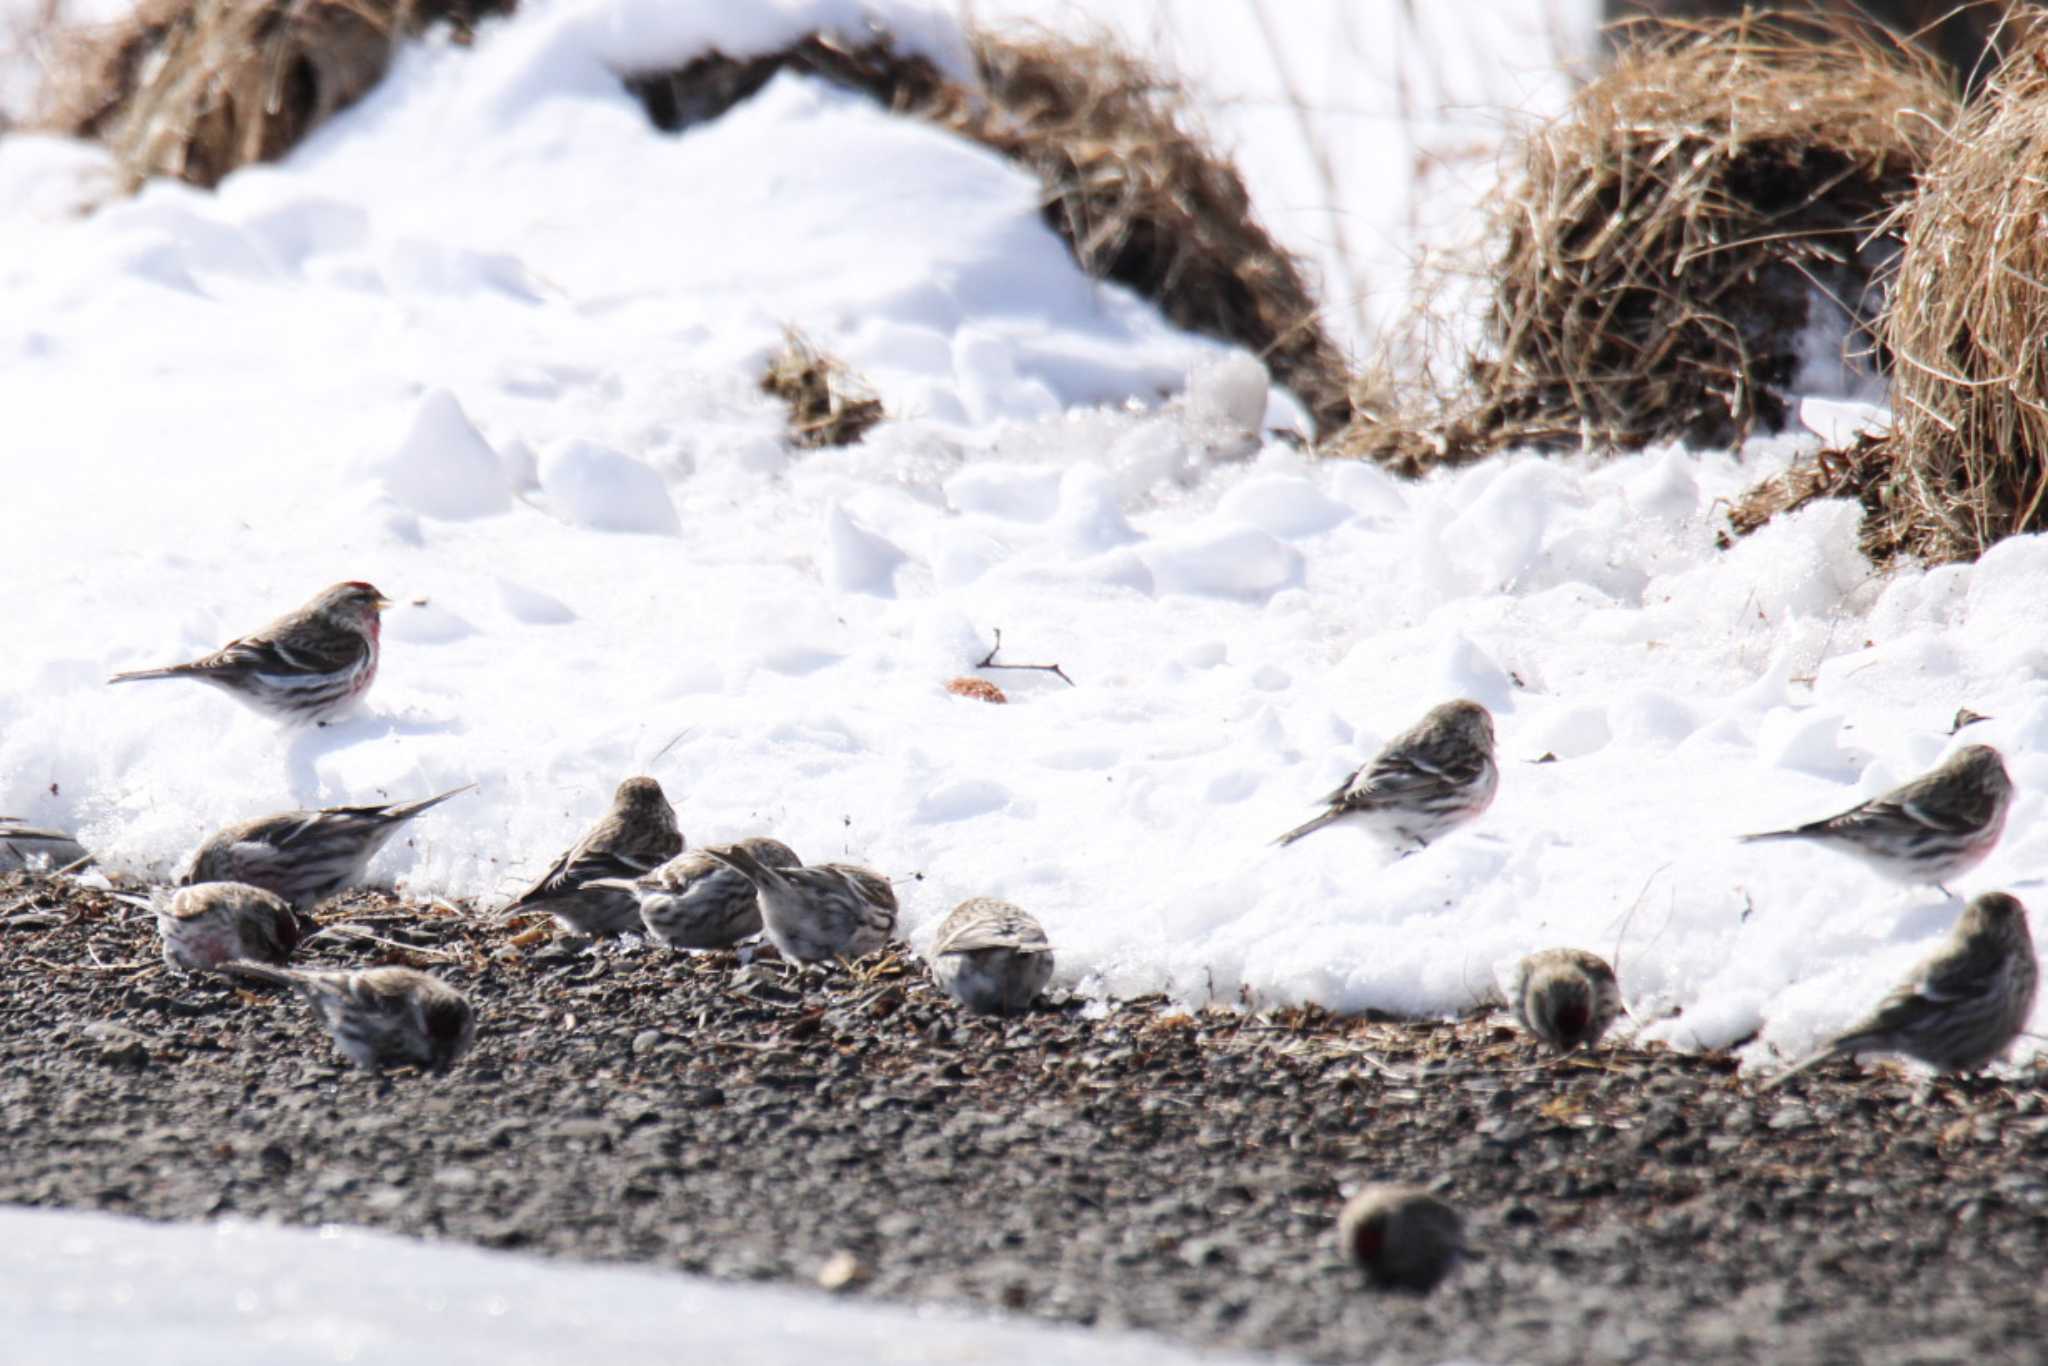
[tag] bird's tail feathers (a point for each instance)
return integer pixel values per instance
(1813, 1060)
(1308, 828)
(257, 972)
(142, 675)
(405, 811)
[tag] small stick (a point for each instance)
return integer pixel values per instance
(988, 661)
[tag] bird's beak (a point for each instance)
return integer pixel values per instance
(384, 602)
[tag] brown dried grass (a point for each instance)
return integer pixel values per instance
(1966, 326)
(1657, 252)
(828, 404)
(195, 88)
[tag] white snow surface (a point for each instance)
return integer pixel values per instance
(492, 342)
(82, 1289)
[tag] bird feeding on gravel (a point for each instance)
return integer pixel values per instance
(208, 924)
(26, 846)
(1936, 827)
(991, 956)
(1962, 1006)
(814, 914)
(635, 837)
(696, 902)
(303, 856)
(1403, 1237)
(1426, 782)
(380, 1017)
(306, 666)
(1565, 997)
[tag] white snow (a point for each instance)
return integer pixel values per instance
(492, 342)
(97, 1290)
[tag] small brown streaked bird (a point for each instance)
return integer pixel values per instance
(25, 846)
(991, 956)
(1936, 827)
(1962, 1007)
(1565, 997)
(1426, 782)
(307, 666)
(696, 902)
(1403, 1237)
(379, 1017)
(304, 856)
(210, 923)
(636, 836)
(812, 914)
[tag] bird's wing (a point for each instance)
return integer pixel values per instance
(992, 930)
(309, 653)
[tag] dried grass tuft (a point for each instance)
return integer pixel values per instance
(1861, 470)
(1662, 246)
(1969, 312)
(195, 88)
(828, 404)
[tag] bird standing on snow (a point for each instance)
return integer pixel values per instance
(1963, 1006)
(991, 956)
(1936, 827)
(380, 1017)
(1565, 997)
(1403, 1237)
(26, 846)
(812, 914)
(213, 922)
(1426, 782)
(696, 902)
(303, 856)
(635, 837)
(306, 666)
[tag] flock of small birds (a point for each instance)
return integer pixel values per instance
(238, 907)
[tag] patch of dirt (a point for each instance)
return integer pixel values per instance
(1122, 1166)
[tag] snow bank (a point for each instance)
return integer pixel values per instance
(86, 1289)
(501, 359)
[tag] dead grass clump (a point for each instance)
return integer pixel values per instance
(1668, 238)
(1130, 185)
(1969, 310)
(1861, 470)
(195, 88)
(828, 404)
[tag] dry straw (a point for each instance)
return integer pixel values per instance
(195, 88)
(1968, 329)
(828, 404)
(1659, 251)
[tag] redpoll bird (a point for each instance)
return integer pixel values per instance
(1403, 1237)
(306, 666)
(26, 846)
(1963, 1006)
(635, 837)
(695, 902)
(380, 1017)
(1565, 997)
(211, 923)
(991, 956)
(1941, 824)
(812, 914)
(1426, 782)
(303, 856)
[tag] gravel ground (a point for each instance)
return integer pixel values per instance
(1125, 1167)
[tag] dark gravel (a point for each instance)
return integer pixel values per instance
(1172, 1173)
